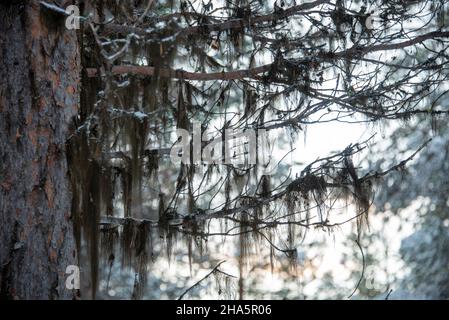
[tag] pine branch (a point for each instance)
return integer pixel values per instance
(253, 73)
(214, 270)
(181, 74)
(257, 202)
(222, 26)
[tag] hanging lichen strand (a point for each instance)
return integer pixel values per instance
(151, 67)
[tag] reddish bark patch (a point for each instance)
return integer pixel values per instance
(2, 103)
(53, 255)
(50, 192)
(29, 118)
(60, 239)
(42, 103)
(33, 197)
(32, 135)
(70, 90)
(7, 184)
(55, 79)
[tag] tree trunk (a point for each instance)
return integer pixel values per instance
(39, 76)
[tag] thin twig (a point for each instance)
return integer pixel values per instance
(388, 294)
(215, 269)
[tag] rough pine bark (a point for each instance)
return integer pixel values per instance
(39, 76)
